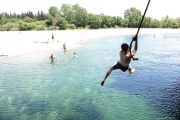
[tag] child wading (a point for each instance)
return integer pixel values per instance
(125, 59)
(52, 58)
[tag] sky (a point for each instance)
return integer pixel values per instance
(157, 8)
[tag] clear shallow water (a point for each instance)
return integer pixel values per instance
(31, 88)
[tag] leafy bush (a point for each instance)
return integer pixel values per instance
(71, 26)
(9, 27)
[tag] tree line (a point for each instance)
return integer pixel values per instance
(76, 17)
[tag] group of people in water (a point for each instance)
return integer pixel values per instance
(53, 57)
(123, 64)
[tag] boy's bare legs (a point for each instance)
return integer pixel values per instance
(107, 74)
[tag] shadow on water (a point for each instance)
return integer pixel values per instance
(165, 99)
(18, 105)
(83, 110)
(170, 100)
(28, 108)
(35, 106)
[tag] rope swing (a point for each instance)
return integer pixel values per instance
(140, 24)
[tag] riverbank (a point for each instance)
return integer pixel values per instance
(14, 43)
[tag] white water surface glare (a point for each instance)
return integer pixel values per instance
(32, 88)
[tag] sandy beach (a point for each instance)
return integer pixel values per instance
(14, 43)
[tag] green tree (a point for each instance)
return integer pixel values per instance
(108, 21)
(125, 22)
(94, 21)
(74, 14)
(178, 21)
(41, 15)
(28, 19)
(155, 23)
(53, 16)
(133, 16)
(81, 16)
(29, 14)
(3, 19)
(147, 22)
(165, 22)
(63, 24)
(119, 21)
(67, 12)
(173, 23)
(53, 11)
(169, 22)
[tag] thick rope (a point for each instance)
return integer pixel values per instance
(140, 24)
(143, 17)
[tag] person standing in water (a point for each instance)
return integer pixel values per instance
(64, 48)
(52, 37)
(52, 58)
(75, 55)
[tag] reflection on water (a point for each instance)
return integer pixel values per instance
(31, 88)
(157, 75)
(170, 100)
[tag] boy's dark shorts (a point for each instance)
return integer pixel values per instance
(119, 66)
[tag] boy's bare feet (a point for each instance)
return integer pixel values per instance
(102, 83)
(131, 71)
